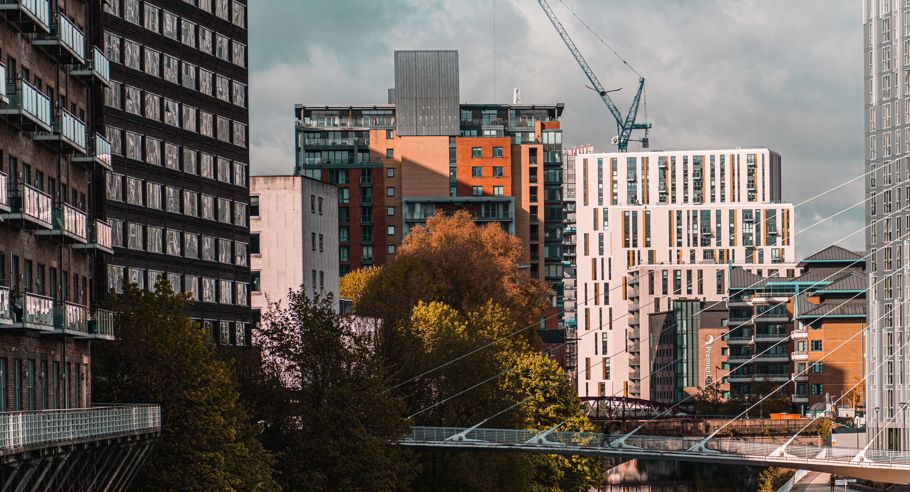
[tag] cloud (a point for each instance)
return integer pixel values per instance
(719, 74)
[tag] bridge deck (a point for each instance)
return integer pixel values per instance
(882, 466)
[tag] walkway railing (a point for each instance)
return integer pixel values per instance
(37, 429)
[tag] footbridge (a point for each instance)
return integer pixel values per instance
(870, 464)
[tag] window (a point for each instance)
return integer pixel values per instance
(208, 248)
(191, 245)
(131, 11)
(240, 214)
(477, 191)
(256, 281)
(816, 345)
(188, 75)
(115, 136)
(222, 88)
(238, 14)
(153, 195)
(154, 239)
(476, 152)
(390, 172)
(173, 242)
(390, 191)
(238, 93)
(189, 161)
(223, 129)
(171, 116)
(390, 211)
(134, 146)
(476, 172)
(238, 54)
(188, 115)
(172, 199)
(254, 206)
(206, 40)
(188, 33)
(208, 207)
(153, 151)
(816, 368)
(171, 156)
(208, 289)
(152, 20)
(497, 191)
(132, 56)
(206, 124)
(190, 203)
(254, 243)
(497, 172)
(134, 236)
(113, 95)
(221, 9)
(221, 47)
(239, 136)
(225, 253)
(133, 101)
(171, 69)
(152, 62)
(170, 25)
(240, 174)
(390, 230)
(497, 151)
(134, 191)
(240, 254)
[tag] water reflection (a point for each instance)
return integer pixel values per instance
(673, 476)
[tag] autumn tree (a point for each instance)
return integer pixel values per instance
(353, 284)
(162, 357)
(334, 424)
(458, 318)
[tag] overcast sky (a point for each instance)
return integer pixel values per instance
(746, 73)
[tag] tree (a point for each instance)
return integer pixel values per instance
(162, 357)
(456, 288)
(334, 423)
(353, 284)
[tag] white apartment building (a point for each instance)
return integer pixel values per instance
(653, 227)
(294, 238)
(886, 73)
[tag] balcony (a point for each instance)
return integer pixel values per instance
(740, 378)
(98, 152)
(3, 98)
(71, 318)
(366, 200)
(39, 430)
(770, 337)
(741, 357)
(741, 299)
(799, 334)
(366, 239)
(65, 42)
(67, 135)
(492, 215)
(775, 314)
(366, 180)
(4, 193)
(740, 339)
(797, 398)
(97, 69)
(366, 219)
(799, 376)
(27, 15)
(799, 356)
(6, 313)
(773, 377)
(69, 224)
(30, 208)
(99, 238)
(33, 312)
(773, 357)
(28, 108)
(102, 324)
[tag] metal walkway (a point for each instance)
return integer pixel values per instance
(881, 466)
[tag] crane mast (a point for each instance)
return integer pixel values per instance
(624, 125)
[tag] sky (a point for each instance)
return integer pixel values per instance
(719, 74)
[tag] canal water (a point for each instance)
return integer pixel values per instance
(671, 476)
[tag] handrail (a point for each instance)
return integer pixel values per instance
(31, 429)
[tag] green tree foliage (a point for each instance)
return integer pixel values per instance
(161, 357)
(353, 284)
(453, 288)
(333, 422)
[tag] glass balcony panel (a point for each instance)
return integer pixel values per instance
(34, 310)
(31, 204)
(103, 234)
(39, 11)
(72, 221)
(3, 97)
(72, 128)
(71, 36)
(71, 317)
(101, 65)
(4, 192)
(102, 324)
(30, 103)
(6, 314)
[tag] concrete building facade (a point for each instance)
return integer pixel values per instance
(176, 118)
(886, 93)
(294, 239)
(653, 227)
(500, 162)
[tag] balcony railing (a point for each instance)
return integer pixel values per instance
(366, 219)
(65, 41)
(20, 430)
(28, 15)
(3, 98)
(99, 152)
(33, 311)
(102, 324)
(30, 205)
(71, 318)
(99, 237)
(67, 134)
(28, 107)
(71, 223)
(6, 314)
(366, 200)
(98, 68)
(4, 193)
(366, 180)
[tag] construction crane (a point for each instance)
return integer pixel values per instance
(624, 125)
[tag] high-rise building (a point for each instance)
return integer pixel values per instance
(568, 245)
(294, 239)
(176, 116)
(396, 164)
(654, 227)
(806, 327)
(887, 116)
(53, 237)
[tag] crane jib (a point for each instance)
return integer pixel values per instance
(624, 125)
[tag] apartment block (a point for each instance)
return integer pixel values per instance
(569, 241)
(655, 227)
(54, 237)
(886, 93)
(807, 327)
(397, 164)
(294, 239)
(175, 116)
